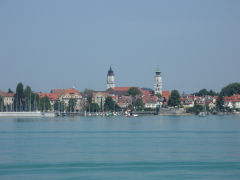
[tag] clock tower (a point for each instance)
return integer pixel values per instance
(158, 82)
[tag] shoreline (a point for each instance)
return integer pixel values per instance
(53, 114)
(27, 114)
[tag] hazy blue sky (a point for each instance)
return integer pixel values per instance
(60, 44)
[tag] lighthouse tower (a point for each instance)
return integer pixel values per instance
(110, 79)
(158, 82)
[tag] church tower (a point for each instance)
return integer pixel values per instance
(158, 83)
(110, 79)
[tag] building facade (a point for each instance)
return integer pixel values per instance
(7, 100)
(232, 101)
(65, 95)
(99, 98)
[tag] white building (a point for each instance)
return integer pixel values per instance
(110, 79)
(64, 95)
(233, 101)
(158, 83)
(8, 98)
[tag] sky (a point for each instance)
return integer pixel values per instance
(62, 44)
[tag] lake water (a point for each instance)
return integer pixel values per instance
(148, 147)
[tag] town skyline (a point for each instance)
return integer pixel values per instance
(127, 84)
(81, 89)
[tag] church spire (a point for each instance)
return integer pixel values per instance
(110, 78)
(110, 72)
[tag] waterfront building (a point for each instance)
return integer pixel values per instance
(158, 82)
(66, 94)
(189, 100)
(124, 101)
(99, 98)
(110, 79)
(7, 100)
(232, 101)
(150, 101)
(121, 91)
(53, 97)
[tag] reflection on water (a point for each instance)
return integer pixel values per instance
(148, 147)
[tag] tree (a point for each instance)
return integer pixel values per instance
(139, 104)
(204, 92)
(89, 99)
(110, 104)
(45, 104)
(62, 106)
(19, 97)
(28, 91)
(9, 90)
(1, 104)
(19, 90)
(196, 109)
(133, 91)
(87, 91)
(56, 106)
(212, 93)
(35, 100)
(28, 96)
(220, 103)
(231, 89)
(71, 105)
(158, 95)
(101, 105)
(174, 99)
(92, 107)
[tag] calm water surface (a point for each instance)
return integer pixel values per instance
(149, 147)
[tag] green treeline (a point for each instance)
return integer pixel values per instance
(231, 89)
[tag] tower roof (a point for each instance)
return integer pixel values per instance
(158, 71)
(110, 72)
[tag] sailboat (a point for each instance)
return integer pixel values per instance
(204, 112)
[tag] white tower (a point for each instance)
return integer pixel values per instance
(110, 79)
(158, 83)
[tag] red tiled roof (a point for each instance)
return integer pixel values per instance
(115, 97)
(70, 91)
(100, 92)
(126, 89)
(166, 94)
(5, 94)
(149, 99)
(51, 96)
(233, 98)
(121, 88)
(58, 91)
(146, 92)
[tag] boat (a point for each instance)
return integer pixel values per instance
(133, 115)
(204, 112)
(64, 114)
(49, 114)
(130, 114)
